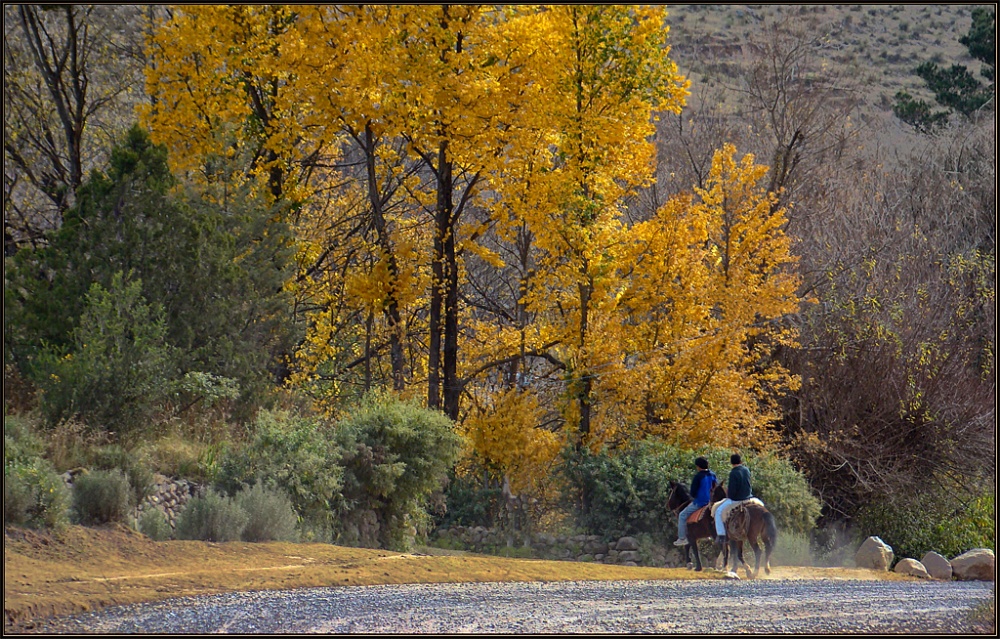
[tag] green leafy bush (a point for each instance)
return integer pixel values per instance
(271, 516)
(211, 517)
(784, 490)
(298, 455)
(34, 495)
(626, 492)
(939, 521)
(469, 503)
(395, 455)
(101, 497)
(153, 523)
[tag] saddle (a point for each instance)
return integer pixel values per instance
(739, 518)
(697, 515)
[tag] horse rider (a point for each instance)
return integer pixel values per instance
(737, 491)
(702, 484)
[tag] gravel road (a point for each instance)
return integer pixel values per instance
(695, 607)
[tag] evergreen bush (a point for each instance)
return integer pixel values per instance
(271, 516)
(117, 375)
(939, 521)
(132, 464)
(101, 497)
(211, 517)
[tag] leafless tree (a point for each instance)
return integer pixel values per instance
(72, 78)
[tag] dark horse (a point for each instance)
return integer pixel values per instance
(752, 523)
(704, 528)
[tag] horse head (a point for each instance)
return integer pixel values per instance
(718, 494)
(678, 496)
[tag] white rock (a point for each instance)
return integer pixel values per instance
(912, 567)
(978, 564)
(937, 566)
(874, 554)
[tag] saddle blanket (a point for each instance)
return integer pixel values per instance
(752, 500)
(696, 516)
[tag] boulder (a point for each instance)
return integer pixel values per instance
(626, 556)
(937, 566)
(627, 543)
(912, 567)
(874, 554)
(978, 564)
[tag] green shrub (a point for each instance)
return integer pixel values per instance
(20, 441)
(153, 523)
(626, 492)
(785, 491)
(938, 521)
(101, 497)
(34, 495)
(211, 517)
(116, 375)
(395, 454)
(271, 516)
(133, 465)
(298, 455)
(469, 503)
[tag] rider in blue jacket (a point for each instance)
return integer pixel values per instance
(701, 493)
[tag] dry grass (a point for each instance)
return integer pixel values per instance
(83, 569)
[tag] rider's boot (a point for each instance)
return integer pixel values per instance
(721, 541)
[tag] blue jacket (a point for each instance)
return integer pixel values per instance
(739, 484)
(701, 487)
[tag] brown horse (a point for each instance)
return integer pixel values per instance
(704, 528)
(752, 523)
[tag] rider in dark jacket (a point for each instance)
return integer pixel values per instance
(739, 483)
(738, 490)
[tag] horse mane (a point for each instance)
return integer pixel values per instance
(682, 491)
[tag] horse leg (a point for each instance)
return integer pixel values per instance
(756, 553)
(743, 562)
(693, 545)
(732, 556)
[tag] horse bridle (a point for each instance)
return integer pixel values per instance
(677, 511)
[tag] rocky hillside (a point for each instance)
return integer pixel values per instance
(876, 45)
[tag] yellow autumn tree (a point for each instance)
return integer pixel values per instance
(713, 280)
(601, 76)
(215, 78)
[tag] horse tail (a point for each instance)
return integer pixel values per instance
(771, 530)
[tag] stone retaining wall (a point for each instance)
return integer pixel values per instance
(169, 496)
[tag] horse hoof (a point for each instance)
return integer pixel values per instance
(698, 569)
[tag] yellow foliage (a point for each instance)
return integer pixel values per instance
(506, 434)
(662, 327)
